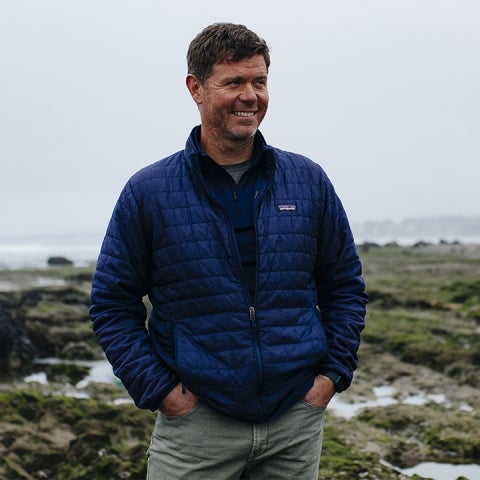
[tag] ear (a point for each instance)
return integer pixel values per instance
(195, 88)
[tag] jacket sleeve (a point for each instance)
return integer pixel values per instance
(341, 290)
(117, 311)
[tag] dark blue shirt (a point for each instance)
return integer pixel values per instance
(238, 202)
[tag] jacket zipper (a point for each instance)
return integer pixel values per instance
(251, 309)
(253, 317)
(258, 355)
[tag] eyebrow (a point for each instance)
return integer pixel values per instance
(242, 78)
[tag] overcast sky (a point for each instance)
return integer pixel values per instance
(384, 94)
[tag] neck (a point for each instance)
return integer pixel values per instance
(227, 153)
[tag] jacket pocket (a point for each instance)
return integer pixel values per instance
(316, 338)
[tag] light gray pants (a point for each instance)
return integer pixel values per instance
(204, 445)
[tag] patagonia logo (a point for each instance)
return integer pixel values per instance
(287, 207)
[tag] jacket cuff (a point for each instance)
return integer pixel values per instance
(339, 382)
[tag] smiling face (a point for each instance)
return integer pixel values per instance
(232, 101)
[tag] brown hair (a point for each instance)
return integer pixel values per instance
(223, 42)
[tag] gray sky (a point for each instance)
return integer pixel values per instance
(384, 94)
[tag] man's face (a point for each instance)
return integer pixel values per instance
(233, 100)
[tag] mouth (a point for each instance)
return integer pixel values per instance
(244, 114)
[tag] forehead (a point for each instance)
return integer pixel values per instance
(252, 66)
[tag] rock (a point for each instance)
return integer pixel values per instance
(366, 246)
(392, 244)
(17, 352)
(56, 437)
(59, 261)
(56, 317)
(44, 322)
(79, 350)
(421, 243)
(65, 372)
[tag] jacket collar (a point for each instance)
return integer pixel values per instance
(194, 150)
(194, 155)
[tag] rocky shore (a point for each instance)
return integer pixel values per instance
(421, 345)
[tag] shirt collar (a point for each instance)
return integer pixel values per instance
(259, 145)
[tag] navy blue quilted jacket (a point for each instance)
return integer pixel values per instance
(170, 240)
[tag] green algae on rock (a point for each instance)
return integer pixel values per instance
(71, 438)
(421, 337)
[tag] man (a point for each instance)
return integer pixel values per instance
(247, 258)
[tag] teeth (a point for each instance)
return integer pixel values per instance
(245, 114)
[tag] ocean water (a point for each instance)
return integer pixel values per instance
(441, 471)
(34, 251)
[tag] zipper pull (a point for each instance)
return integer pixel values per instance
(253, 319)
(235, 196)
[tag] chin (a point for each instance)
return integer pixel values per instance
(244, 134)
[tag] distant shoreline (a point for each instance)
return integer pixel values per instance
(35, 255)
(470, 250)
(32, 250)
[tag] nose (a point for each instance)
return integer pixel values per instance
(248, 93)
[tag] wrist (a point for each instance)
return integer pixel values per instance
(339, 382)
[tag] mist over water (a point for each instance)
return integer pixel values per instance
(33, 251)
(30, 251)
